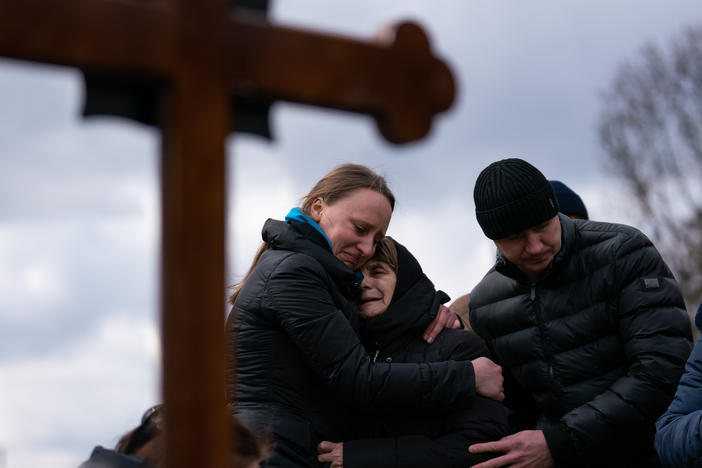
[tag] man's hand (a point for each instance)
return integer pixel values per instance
(488, 379)
(331, 452)
(445, 318)
(524, 449)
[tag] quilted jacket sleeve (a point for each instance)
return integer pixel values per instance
(423, 444)
(486, 421)
(678, 437)
(297, 294)
(655, 332)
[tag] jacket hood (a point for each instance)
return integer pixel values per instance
(409, 272)
(414, 303)
(300, 237)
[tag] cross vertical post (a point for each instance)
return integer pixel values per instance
(193, 195)
(203, 53)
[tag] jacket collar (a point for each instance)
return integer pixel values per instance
(297, 215)
(408, 314)
(413, 306)
(302, 237)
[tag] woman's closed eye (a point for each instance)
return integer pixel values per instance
(362, 230)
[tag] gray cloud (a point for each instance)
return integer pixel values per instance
(79, 199)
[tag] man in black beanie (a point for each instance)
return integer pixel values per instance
(587, 322)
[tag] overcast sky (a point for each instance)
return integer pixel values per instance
(79, 346)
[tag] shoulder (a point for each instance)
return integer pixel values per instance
(102, 457)
(460, 345)
(278, 271)
(280, 261)
(283, 267)
(598, 243)
(610, 234)
(494, 287)
(491, 279)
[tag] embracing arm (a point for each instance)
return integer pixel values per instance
(420, 439)
(298, 295)
(484, 421)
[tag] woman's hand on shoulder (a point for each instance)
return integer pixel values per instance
(445, 318)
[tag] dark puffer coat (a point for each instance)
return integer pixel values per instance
(415, 438)
(300, 364)
(679, 430)
(107, 458)
(595, 349)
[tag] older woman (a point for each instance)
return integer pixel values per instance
(395, 305)
(300, 364)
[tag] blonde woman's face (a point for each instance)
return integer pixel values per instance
(354, 224)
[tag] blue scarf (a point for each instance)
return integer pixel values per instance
(297, 215)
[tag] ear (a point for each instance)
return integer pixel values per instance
(317, 209)
(497, 246)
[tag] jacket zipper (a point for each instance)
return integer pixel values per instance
(377, 352)
(532, 296)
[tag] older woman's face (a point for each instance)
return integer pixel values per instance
(378, 286)
(354, 224)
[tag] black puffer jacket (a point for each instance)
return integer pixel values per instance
(414, 438)
(300, 362)
(107, 458)
(599, 343)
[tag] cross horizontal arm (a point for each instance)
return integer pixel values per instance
(396, 79)
(90, 34)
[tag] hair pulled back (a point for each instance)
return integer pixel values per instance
(335, 185)
(343, 180)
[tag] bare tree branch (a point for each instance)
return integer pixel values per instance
(651, 131)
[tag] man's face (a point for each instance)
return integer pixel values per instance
(533, 249)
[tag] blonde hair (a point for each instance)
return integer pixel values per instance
(343, 180)
(335, 185)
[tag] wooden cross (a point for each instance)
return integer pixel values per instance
(203, 51)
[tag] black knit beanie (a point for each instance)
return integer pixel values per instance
(510, 196)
